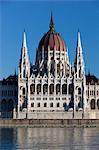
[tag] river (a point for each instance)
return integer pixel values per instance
(25, 138)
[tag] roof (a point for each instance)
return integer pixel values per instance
(92, 79)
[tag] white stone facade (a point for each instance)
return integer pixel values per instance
(52, 86)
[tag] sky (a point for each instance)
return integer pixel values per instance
(34, 17)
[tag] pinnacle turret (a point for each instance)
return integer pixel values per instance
(24, 40)
(51, 24)
(79, 40)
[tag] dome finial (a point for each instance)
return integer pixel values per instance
(51, 23)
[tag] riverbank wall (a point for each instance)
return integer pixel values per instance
(49, 123)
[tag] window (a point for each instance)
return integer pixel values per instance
(23, 91)
(79, 91)
(58, 104)
(45, 88)
(51, 88)
(64, 89)
(38, 88)
(51, 104)
(45, 104)
(32, 104)
(57, 88)
(92, 104)
(32, 88)
(38, 105)
(70, 88)
(98, 103)
(24, 73)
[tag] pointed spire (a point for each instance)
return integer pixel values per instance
(79, 40)
(24, 40)
(51, 23)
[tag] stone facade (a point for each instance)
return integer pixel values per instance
(53, 88)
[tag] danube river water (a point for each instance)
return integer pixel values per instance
(49, 138)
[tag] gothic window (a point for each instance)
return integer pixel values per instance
(58, 104)
(57, 88)
(51, 88)
(45, 88)
(58, 68)
(79, 91)
(32, 104)
(52, 67)
(45, 104)
(23, 91)
(24, 73)
(70, 88)
(38, 104)
(32, 88)
(3, 105)
(51, 104)
(92, 104)
(98, 103)
(80, 73)
(64, 89)
(38, 88)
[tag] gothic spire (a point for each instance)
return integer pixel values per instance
(24, 40)
(79, 40)
(51, 23)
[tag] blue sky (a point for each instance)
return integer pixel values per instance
(34, 17)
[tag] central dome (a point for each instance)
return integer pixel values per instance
(52, 40)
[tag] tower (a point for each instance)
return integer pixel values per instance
(79, 78)
(23, 76)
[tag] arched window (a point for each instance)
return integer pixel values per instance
(32, 104)
(70, 88)
(45, 88)
(64, 89)
(38, 104)
(51, 104)
(38, 88)
(57, 88)
(98, 103)
(58, 105)
(3, 105)
(51, 88)
(92, 104)
(32, 88)
(24, 73)
(79, 90)
(45, 104)
(58, 68)
(23, 91)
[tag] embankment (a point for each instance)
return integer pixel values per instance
(49, 123)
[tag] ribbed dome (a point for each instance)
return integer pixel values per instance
(52, 39)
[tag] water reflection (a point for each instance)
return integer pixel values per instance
(49, 138)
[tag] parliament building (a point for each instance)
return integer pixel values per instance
(53, 88)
